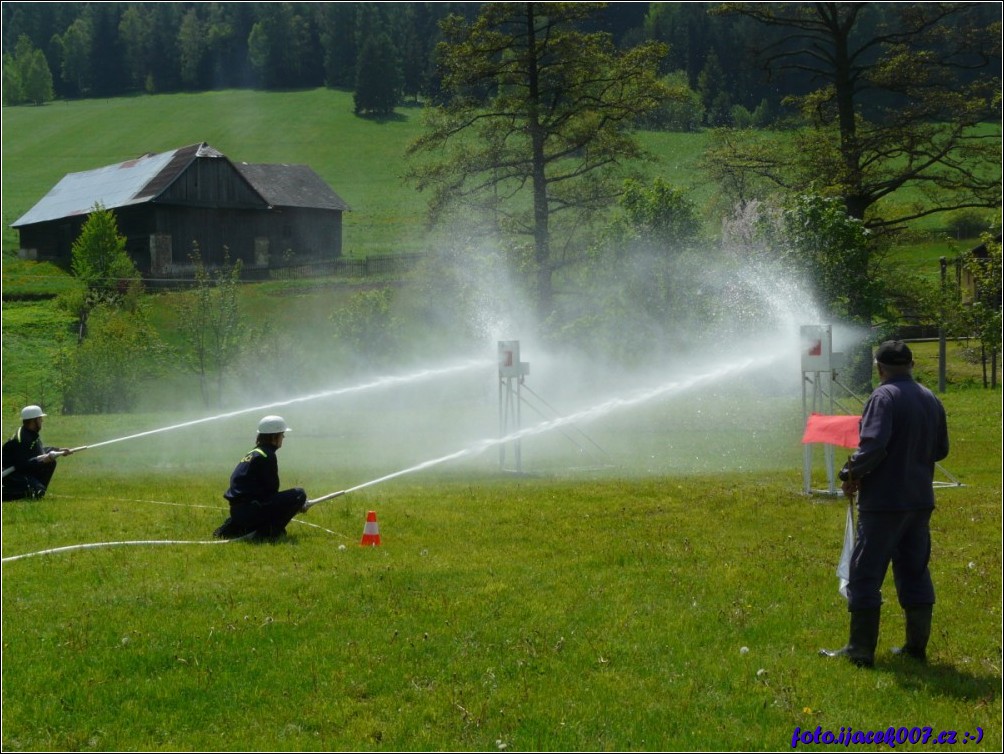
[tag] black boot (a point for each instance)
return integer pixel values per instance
(918, 631)
(228, 530)
(860, 648)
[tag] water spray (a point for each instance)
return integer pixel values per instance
(591, 413)
(377, 383)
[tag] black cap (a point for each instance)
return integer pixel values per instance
(894, 353)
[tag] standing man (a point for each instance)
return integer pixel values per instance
(256, 504)
(903, 433)
(28, 466)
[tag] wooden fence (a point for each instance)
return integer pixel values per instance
(386, 264)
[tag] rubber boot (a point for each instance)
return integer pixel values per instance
(918, 631)
(860, 648)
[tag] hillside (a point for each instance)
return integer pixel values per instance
(362, 159)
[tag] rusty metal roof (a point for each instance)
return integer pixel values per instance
(291, 186)
(111, 186)
(148, 176)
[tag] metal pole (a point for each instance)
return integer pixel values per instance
(518, 452)
(807, 448)
(941, 329)
(501, 424)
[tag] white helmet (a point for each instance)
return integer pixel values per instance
(272, 425)
(31, 412)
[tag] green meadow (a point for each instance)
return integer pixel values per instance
(363, 160)
(664, 586)
(652, 580)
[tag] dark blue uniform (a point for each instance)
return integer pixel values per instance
(30, 478)
(256, 504)
(903, 433)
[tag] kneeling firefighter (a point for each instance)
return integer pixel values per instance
(256, 504)
(28, 464)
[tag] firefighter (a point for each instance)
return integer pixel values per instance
(28, 465)
(256, 504)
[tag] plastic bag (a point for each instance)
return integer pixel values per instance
(844, 566)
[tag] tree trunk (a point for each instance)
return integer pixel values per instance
(541, 213)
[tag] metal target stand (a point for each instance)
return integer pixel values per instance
(512, 371)
(819, 367)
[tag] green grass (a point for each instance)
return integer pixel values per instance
(599, 601)
(561, 610)
(361, 159)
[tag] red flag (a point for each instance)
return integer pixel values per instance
(835, 430)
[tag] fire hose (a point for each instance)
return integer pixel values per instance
(48, 456)
(311, 503)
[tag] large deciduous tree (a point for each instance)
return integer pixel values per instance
(533, 105)
(906, 97)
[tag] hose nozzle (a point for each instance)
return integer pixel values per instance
(311, 503)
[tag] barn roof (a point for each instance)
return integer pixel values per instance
(291, 186)
(145, 178)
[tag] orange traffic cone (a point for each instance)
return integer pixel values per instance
(371, 532)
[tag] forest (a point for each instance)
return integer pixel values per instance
(388, 53)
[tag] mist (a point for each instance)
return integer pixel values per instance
(611, 389)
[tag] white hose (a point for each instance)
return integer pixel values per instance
(93, 545)
(310, 503)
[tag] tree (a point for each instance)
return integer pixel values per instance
(105, 373)
(26, 74)
(378, 77)
(643, 283)
(192, 48)
(660, 216)
(982, 311)
(36, 81)
(76, 46)
(902, 101)
(813, 240)
(212, 324)
(682, 111)
(164, 64)
(135, 31)
(100, 262)
(714, 92)
(338, 42)
(281, 47)
(533, 105)
(11, 81)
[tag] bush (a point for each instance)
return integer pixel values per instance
(106, 372)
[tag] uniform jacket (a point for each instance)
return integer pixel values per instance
(20, 449)
(903, 433)
(255, 478)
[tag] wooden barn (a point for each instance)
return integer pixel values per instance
(164, 204)
(967, 281)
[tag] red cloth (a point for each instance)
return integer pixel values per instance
(835, 430)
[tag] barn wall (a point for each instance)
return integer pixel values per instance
(51, 242)
(211, 203)
(214, 230)
(308, 233)
(211, 182)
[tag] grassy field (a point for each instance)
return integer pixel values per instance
(361, 159)
(670, 594)
(653, 580)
